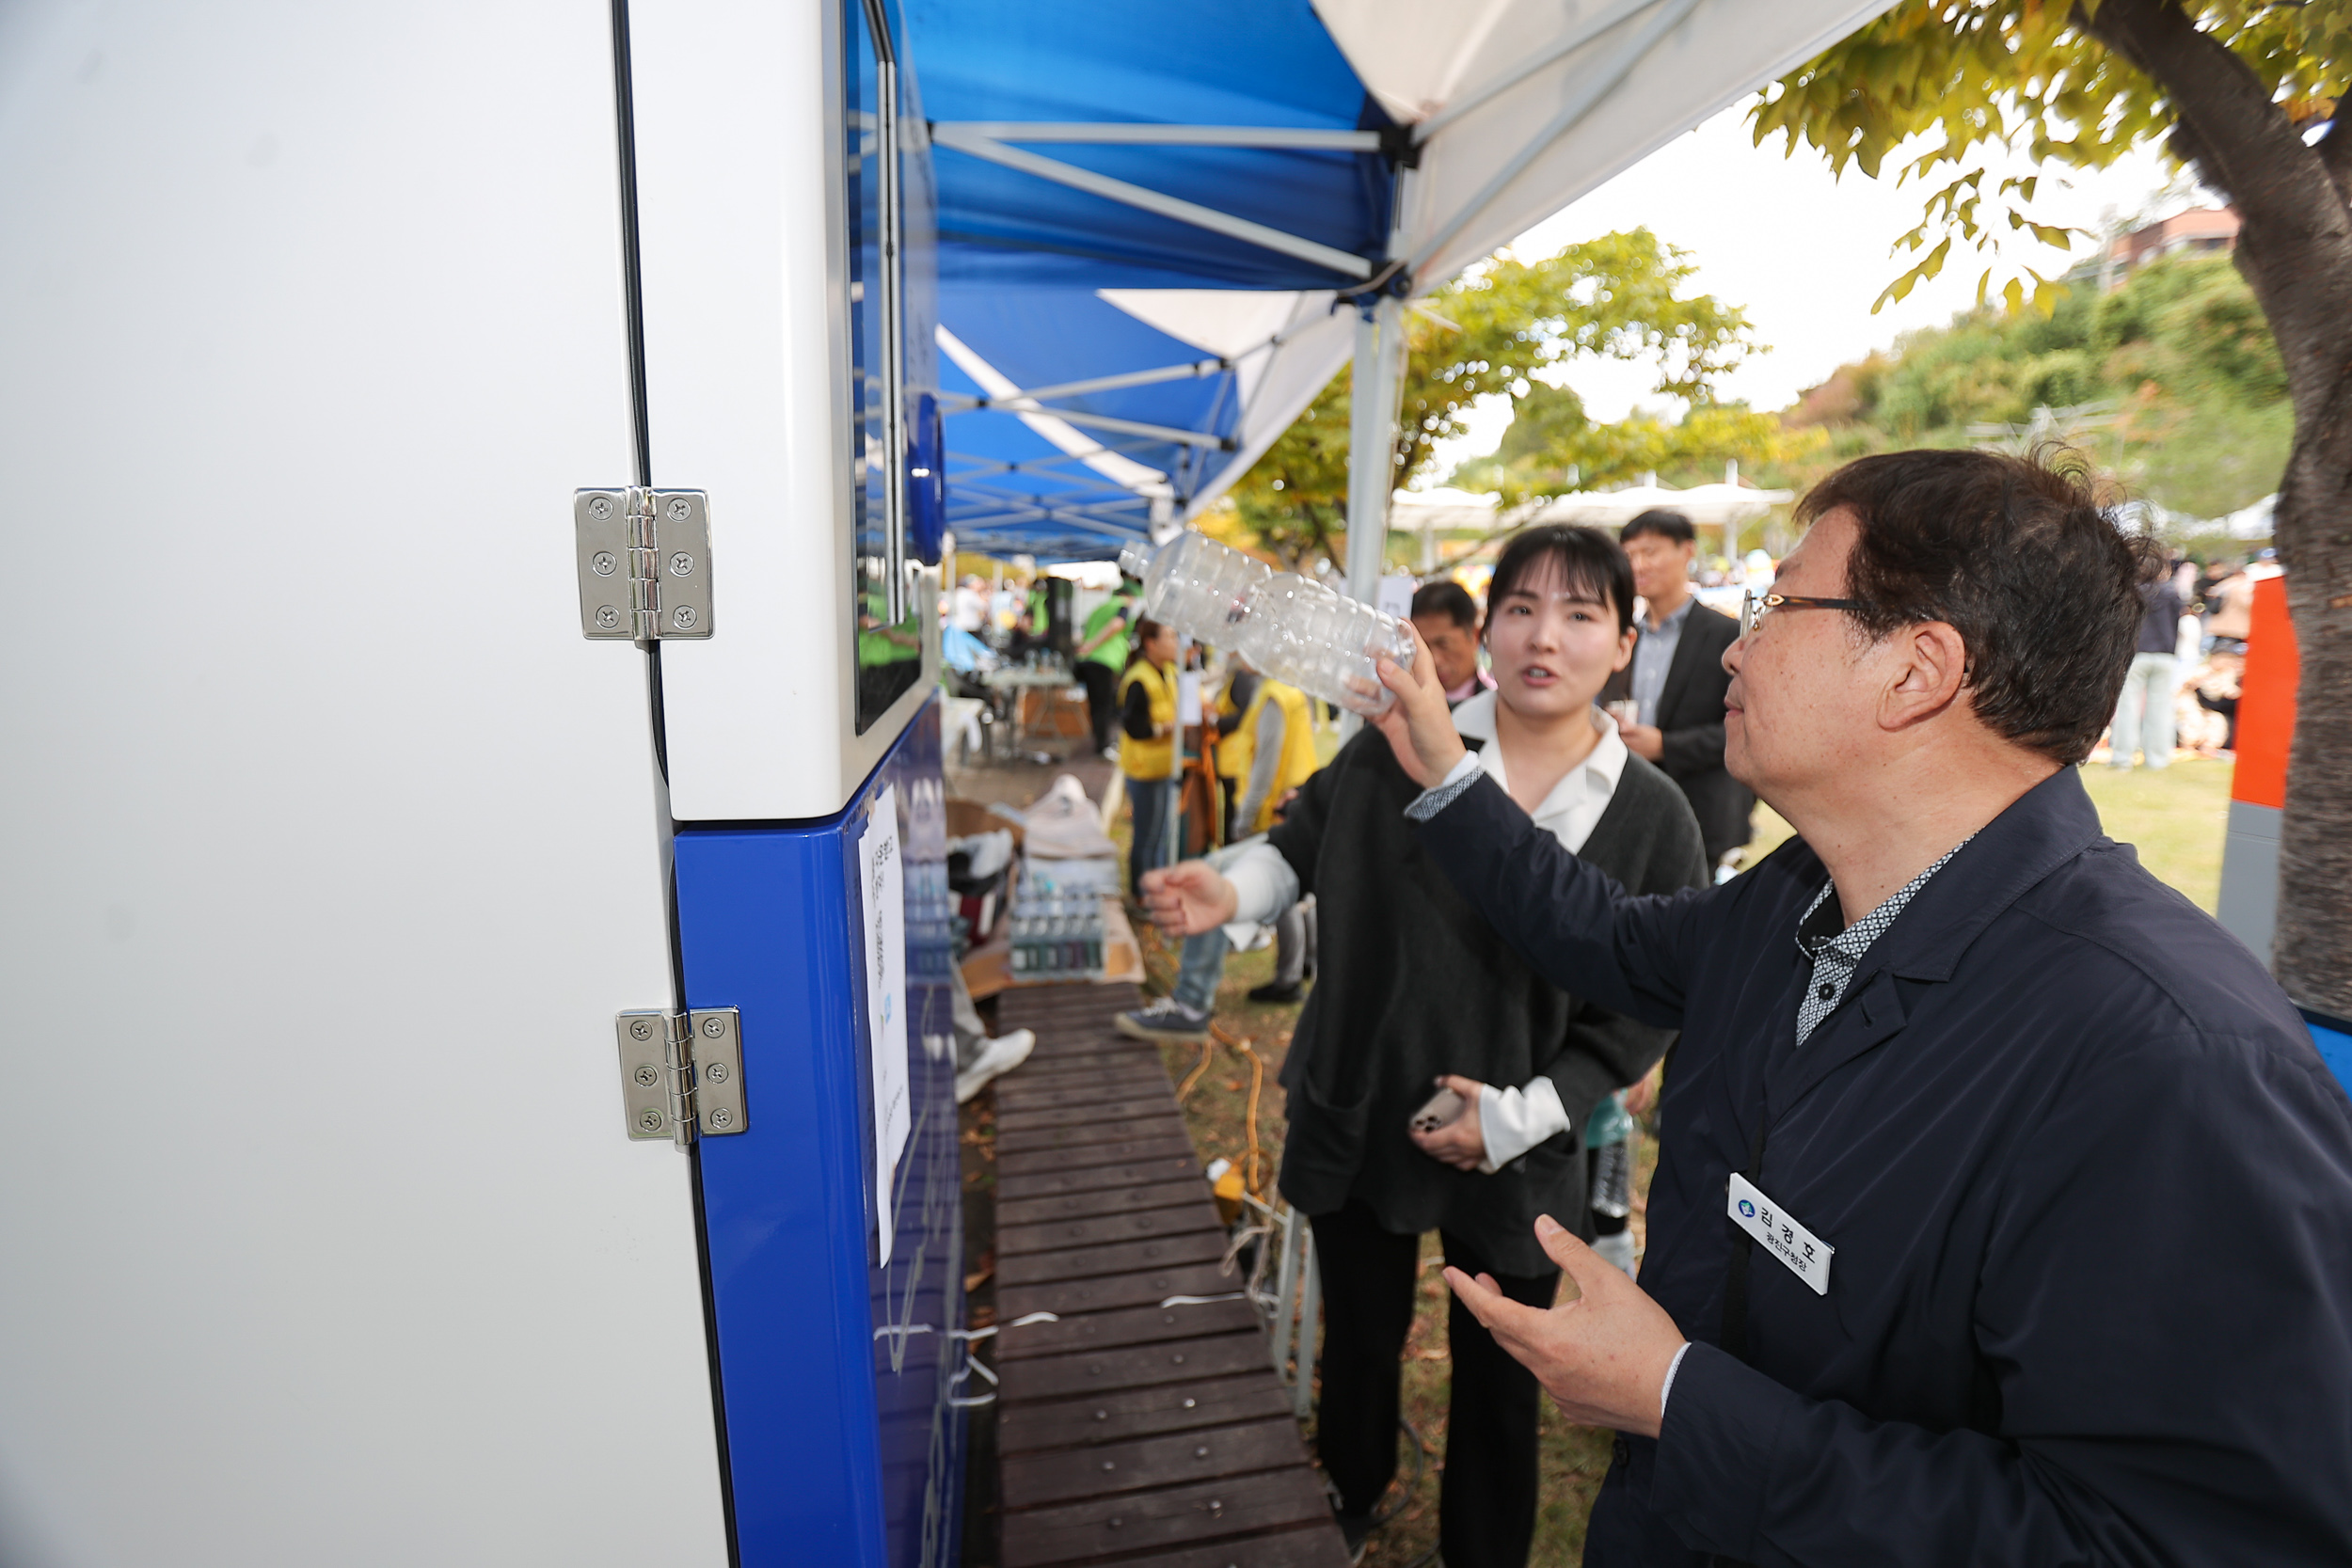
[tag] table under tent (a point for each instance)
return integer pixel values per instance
(508, 1108)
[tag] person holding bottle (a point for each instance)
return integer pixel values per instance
(1147, 741)
(1418, 991)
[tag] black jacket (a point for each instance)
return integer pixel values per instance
(2089, 1183)
(2160, 627)
(1411, 983)
(1690, 717)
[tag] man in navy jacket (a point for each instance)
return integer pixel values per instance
(2004, 1213)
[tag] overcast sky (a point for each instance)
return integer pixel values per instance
(1803, 253)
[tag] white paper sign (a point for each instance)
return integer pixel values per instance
(1394, 596)
(1188, 697)
(1806, 1255)
(880, 876)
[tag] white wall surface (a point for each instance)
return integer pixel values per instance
(747, 384)
(328, 846)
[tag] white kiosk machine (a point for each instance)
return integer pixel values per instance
(479, 1088)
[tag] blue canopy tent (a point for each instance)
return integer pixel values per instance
(1254, 164)
(1163, 226)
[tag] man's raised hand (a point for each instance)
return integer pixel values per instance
(1601, 1352)
(1188, 898)
(1418, 725)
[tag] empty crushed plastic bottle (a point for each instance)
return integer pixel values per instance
(1288, 627)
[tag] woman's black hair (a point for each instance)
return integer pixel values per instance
(1590, 563)
(1146, 629)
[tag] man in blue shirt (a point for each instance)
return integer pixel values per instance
(2004, 1209)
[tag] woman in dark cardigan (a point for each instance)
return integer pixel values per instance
(1416, 990)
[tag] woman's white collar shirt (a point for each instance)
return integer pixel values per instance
(1512, 1121)
(1575, 804)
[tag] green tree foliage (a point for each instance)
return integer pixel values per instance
(1966, 77)
(1503, 328)
(2244, 92)
(2200, 418)
(1552, 448)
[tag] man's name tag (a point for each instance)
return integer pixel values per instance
(1806, 1255)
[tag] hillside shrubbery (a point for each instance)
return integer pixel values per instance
(2201, 416)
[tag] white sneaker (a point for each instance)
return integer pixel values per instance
(997, 1058)
(1616, 1250)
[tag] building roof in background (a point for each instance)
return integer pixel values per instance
(2213, 229)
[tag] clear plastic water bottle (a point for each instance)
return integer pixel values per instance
(1288, 627)
(1304, 635)
(1195, 584)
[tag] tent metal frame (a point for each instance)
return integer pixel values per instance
(1591, 28)
(1172, 434)
(960, 137)
(1581, 97)
(1564, 78)
(1137, 133)
(982, 467)
(1191, 371)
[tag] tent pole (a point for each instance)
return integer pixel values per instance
(1372, 389)
(1372, 397)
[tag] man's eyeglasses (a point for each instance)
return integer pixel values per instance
(1753, 607)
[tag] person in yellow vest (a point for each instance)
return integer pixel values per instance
(1267, 750)
(1232, 751)
(1147, 742)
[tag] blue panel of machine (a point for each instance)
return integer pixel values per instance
(2335, 1048)
(843, 1446)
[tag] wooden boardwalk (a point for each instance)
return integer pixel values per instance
(1133, 1431)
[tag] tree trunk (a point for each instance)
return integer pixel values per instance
(2294, 250)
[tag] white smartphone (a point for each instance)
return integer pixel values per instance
(1442, 1108)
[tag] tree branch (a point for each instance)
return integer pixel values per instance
(2242, 143)
(2335, 156)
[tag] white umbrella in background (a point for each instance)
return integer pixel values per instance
(1427, 511)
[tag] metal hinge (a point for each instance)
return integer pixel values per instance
(645, 563)
(683, 1073)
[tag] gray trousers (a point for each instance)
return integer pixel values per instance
(1202, 968)
(1295, 942)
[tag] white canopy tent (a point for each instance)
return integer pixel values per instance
(1725, 507)
(1442, 508)
(1505, 111)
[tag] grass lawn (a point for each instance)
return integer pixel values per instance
(2176, 818)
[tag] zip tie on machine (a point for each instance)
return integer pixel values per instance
(972, 1363)
(1022, 1322)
